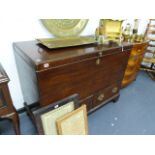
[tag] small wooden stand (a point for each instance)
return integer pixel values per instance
(7, 110)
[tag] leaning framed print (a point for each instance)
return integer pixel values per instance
(73, 123)
(45, 117)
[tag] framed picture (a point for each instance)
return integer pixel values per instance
(73, 123)
(46, 117)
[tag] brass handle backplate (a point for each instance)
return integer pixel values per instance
(115, 89)
(101, 97)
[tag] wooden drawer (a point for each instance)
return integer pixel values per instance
(130, 68)
(130, 72)
(134, 62)
(105, 94)
(126, 81)
(129, 77)
(135, 65)
(138, 50)
(133, 58)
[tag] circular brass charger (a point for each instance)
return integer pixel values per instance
(65, 27)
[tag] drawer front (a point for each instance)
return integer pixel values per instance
(132, 68)
(138, 50)
(134, 58)
(105, 94)
(83, 78)
(125, 83)
(130, 72)
(134, 63)
(130, 76)
(128, 81)
(2, 99)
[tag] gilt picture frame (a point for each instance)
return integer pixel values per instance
(45, 117)
(73, 123)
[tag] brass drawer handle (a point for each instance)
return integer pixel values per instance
(115, 89)
(100, 97)
(98, 61)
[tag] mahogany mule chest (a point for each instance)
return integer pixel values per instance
(95, 72)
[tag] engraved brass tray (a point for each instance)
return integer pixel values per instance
(65, 27)
(53, 43)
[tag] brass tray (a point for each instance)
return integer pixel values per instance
(65, 27)
(53, 43)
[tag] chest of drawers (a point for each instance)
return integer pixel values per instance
(135, 59)
(94, 72)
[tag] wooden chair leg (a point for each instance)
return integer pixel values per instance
(16, 125)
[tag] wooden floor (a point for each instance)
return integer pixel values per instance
(133, 114)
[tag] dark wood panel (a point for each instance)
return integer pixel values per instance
(83, 78)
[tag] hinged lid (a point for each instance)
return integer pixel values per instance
(43, 58)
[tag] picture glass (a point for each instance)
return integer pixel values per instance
(49, 119)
